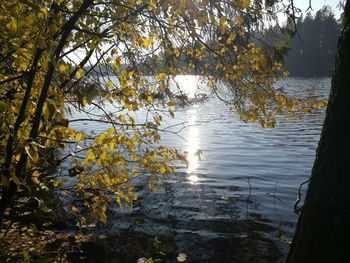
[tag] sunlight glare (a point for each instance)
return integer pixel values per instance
(193, 179)
(192, 148)
(188, 84)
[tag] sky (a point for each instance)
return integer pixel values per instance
(318, 4)
(315, 4)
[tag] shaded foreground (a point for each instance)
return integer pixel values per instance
(161, 233)
(221, 230)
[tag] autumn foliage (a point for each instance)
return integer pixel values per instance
(126, 51)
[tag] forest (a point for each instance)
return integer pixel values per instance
(312, 49)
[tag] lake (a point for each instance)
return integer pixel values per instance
(233, 205)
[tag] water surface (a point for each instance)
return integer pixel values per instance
(236, 203)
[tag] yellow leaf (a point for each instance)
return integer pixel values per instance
(62, 68)
(245, 3)
(90, 157)
(146, 42)
(285, 74)
(12, 25)
(163, 169)
(79, 137)
(112, 145)
(161, 76)
(79, 73)
(109, 84)
(150, 99)
(86, 101)
(152, 5)
(231, 37)
(121, 118)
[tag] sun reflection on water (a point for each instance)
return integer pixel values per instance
(193, 179)
(192, 149)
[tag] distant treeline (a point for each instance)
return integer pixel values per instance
(312, 49)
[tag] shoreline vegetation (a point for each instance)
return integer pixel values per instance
(39, 77)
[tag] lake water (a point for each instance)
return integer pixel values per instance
(236, 203)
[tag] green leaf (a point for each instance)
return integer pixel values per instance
(26, 256)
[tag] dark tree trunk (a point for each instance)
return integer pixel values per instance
(8, 193)
(323, 231)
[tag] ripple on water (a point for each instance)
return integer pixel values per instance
(238, 203)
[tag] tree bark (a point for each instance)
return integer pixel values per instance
(323, 229)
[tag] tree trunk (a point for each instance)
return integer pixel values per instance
(9, 192)
(323, 230)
